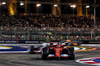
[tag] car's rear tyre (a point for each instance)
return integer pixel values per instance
(79, 43)
(31, 49)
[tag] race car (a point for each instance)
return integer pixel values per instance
(58, 51)
(35, 49)
(71, 43)
(38, 49)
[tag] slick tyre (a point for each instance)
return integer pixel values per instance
(44, 54)
(44, 57)
(72, 57)
(31, 49)
(71, 53)
(71, 50)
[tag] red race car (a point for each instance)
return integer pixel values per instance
(57, 51)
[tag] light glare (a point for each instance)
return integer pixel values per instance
(38, 5)
(55, 5)
(3, 3)
(87, 6)
(21, 4)
(73, 6)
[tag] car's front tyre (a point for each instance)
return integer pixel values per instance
(44, 54)
(72, 57)
(71, 53)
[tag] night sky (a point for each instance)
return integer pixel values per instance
(46, 9)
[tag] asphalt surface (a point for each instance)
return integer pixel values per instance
(35, 59)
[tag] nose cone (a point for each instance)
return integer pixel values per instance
(57, 52)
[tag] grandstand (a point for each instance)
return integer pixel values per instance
(52, 26)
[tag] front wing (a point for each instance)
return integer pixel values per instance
(62, 55)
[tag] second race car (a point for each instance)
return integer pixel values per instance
(37, 49)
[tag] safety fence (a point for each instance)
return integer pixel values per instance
(47, 33)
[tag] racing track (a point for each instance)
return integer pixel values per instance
(35, 60)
